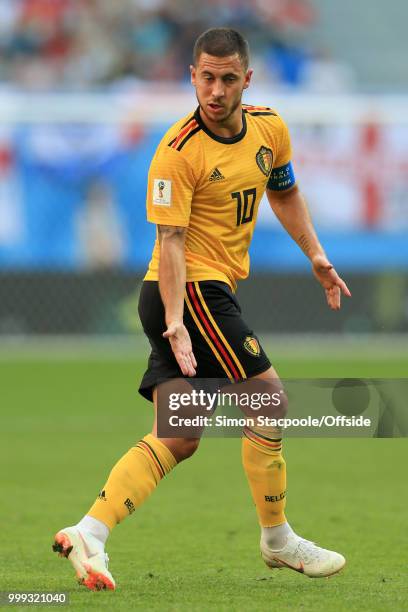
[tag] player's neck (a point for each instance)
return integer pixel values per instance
(228, 129)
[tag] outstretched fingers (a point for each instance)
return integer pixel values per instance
(186, 362)
(333, 297)
(333, 292)
(343, 287)
(180, 343)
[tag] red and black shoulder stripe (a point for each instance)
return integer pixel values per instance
(257, 110)
(186, 132)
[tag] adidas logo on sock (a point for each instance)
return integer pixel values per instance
(216, 176)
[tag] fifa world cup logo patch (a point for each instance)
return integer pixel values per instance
(251, 345)
(264, 159)
(162, 192)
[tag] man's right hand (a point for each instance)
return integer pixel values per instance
(182, 348)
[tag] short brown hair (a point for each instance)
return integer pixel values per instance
(222, 42)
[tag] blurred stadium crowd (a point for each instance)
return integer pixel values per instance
(73, 233)
(66, 44)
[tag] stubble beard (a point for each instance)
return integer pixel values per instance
(225, 118)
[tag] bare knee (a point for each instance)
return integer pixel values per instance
(267, 397)
(183, 448)
(277, 406)
(282, 408)
(269, 383)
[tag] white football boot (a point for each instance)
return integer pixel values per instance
(303, 556)
(87, 556)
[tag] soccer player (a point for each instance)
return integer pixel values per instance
(204, 187)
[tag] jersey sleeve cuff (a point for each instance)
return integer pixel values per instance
(179, 222)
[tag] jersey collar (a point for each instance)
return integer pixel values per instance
(222, 139)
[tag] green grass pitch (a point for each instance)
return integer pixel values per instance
(194, 544)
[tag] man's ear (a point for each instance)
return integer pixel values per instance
(248, 77)
(193, 74)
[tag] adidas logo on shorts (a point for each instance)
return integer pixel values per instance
(216, 175)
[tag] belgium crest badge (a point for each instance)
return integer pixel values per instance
(251, 345)
(264, 159)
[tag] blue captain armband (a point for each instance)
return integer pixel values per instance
(282, 178)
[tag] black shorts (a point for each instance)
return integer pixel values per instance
(224, 346)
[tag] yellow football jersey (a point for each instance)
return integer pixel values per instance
(213, 185)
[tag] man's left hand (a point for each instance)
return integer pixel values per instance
(331, 282)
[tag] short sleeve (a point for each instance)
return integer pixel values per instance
(284, 152)
(282, 176)
(170, 188)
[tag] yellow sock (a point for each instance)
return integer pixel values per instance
(266, 472)
(132, 480)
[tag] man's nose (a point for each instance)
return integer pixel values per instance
(218, 88)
